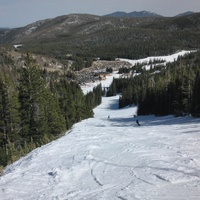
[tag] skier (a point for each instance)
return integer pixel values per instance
(137, 122)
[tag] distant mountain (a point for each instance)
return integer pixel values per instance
(185, 14)
(106, 37)
(135, 14)
(143, 13)
(117, 14)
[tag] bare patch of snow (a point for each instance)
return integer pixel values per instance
(16, 46)
(30, 30)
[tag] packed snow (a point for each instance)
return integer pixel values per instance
(111, 157)
(88, 87)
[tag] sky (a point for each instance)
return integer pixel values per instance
(18, 13)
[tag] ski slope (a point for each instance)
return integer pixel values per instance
(166, 59)
(112, 158)
(162, 59)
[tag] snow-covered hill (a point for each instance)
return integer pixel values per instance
(112, 158)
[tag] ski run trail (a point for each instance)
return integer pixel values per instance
(110, 157)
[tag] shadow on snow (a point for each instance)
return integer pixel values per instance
(152, 120)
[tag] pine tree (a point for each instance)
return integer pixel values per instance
(30, 91)
(112, 89)
(196, 97)
(54, 117)
(40, 111)
(4, 128)
(9, 120)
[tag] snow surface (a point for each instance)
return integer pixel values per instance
(88, 87)
(101, 158)
(112, 158)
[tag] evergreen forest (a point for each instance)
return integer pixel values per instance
(163, 90)
(37, 106)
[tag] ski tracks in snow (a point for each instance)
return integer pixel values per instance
(112, 158)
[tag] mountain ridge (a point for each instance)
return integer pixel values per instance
(144, 13)
(137, 14)
(107, 37)
(185, 14)
(87, 24)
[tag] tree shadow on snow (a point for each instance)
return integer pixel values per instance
(153, 121)
(113, 104)
(167, 120)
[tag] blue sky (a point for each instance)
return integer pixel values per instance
(16, 13)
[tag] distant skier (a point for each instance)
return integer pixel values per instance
(108, 116)
(137, 122)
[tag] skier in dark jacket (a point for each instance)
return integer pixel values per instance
(137, 122)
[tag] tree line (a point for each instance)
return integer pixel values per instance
(173, 90)
(37, 107)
